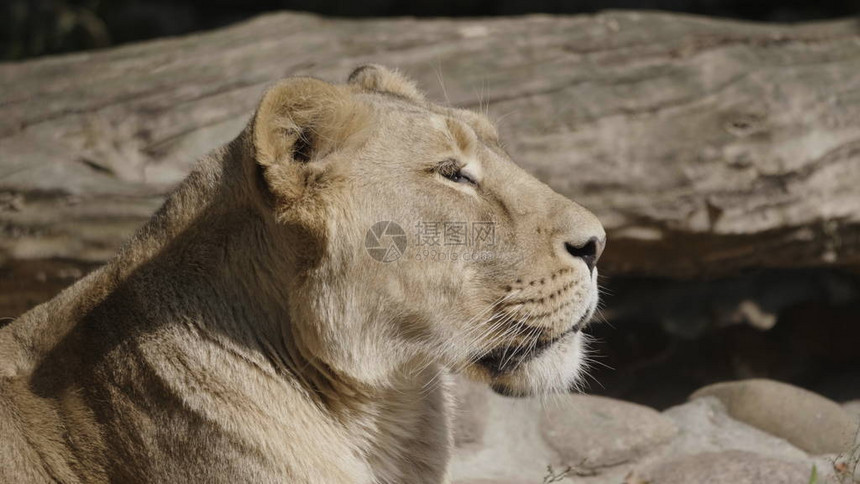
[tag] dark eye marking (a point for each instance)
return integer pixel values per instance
(452, 170)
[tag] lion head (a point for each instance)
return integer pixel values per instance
(414, 239)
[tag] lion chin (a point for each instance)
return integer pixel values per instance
(554, 370)
(544, 367)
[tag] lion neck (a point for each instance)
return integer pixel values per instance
(234, 270)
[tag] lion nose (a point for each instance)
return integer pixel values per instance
(589, 252)
(577, 233)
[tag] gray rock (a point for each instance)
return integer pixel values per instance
(493, 481)
(851, 458)
(705, 426)
(853, 409)
(521, 437)
(510, 448)
(592, 432)
(730, 467)
(807, 420)
(470, 415)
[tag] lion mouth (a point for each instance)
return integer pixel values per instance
(507, 358)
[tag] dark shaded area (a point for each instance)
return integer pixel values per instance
(20, 291)
(668, 338)
(31, 28)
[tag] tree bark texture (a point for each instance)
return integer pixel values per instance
(707, 147)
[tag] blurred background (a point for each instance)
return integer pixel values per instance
(37, 27)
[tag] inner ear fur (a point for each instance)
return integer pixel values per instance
(301, 119)
(373, 77)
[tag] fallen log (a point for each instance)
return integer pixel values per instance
(707, 147)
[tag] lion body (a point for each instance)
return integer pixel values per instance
(104, 383)
(240, 337)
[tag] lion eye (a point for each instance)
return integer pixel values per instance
(451, 170)
(459, 177)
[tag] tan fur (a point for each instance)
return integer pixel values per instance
(245, 334)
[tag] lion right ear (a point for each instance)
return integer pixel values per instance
(374, 77)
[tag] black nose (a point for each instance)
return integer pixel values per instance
(588, 252)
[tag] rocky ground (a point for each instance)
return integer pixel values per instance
(751, 431)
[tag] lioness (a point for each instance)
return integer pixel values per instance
(249, 332)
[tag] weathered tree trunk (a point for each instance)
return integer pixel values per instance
(707, 147)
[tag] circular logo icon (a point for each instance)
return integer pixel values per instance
(385, 241)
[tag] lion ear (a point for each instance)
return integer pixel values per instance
(372, 77)
(300, 119)
(298, 122)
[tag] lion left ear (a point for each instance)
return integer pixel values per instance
(373, 77)
(299, 118)
(299, 121)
